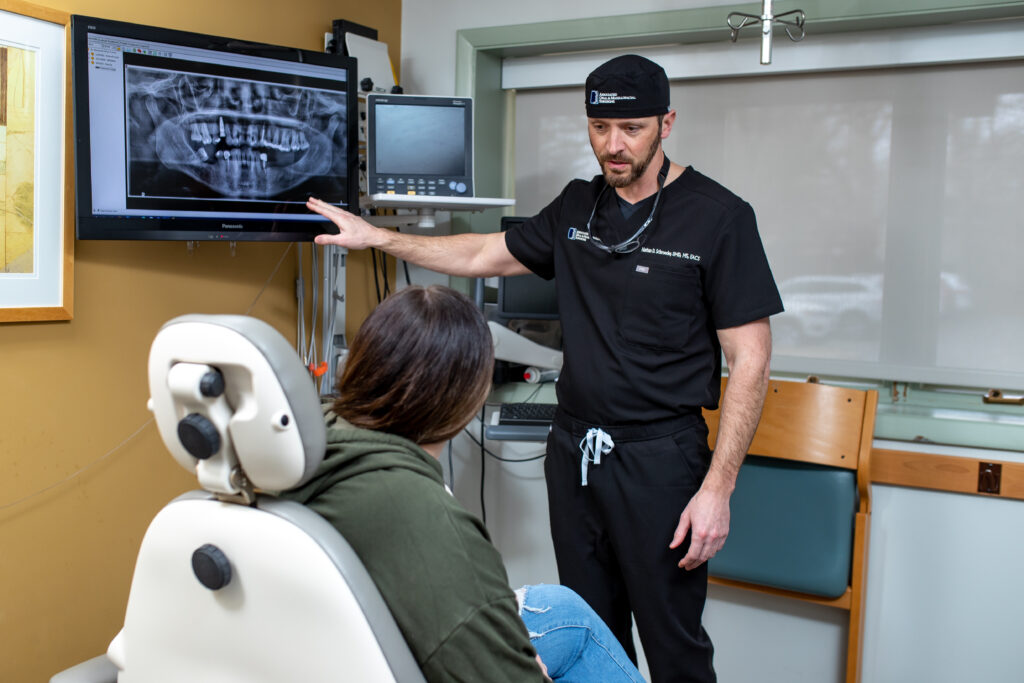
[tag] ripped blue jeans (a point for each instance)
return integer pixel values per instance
(574, 643)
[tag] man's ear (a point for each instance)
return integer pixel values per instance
(666, 123)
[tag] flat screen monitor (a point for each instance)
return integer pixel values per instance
(525, 297)
(183, 136)
(419, 145)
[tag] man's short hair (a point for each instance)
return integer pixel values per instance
(627, 87)
(419, 367)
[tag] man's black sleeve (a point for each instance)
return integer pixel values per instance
(740, 286)
(532, 242)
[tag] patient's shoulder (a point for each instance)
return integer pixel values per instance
(432, 560)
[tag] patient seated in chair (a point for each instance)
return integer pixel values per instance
(418, 370)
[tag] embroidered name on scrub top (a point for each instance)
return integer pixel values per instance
(673, 254)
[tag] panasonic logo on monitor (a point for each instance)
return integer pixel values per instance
(232, 226)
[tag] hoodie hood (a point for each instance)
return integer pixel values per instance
(352, 451)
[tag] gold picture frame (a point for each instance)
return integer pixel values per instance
(37, 234)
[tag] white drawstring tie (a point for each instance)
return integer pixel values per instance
(595, 444)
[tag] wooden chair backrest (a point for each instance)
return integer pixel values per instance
(810, 422)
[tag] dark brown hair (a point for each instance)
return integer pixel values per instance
(419, 367)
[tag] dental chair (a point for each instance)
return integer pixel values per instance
(232, 584)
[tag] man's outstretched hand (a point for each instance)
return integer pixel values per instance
(353, 231)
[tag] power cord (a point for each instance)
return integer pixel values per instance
(376, 275)
(405, 264)
(484, 452)
(487, 451)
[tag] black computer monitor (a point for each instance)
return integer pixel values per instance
(185, 136)
(418, 145)
(525, 297)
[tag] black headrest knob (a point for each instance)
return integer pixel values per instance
(212, 384)
(211, 567)
(199, 436)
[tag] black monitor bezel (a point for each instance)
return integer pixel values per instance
(502, 310)
(373, 100)
(91, 227)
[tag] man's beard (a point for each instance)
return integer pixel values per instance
(636, 168)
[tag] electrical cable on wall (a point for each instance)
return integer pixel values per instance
(376, 276)
(386, 282)
(484, 453)
(327, 370)
(405, 264)
(494, 455)
(380, 272)
(311, 351)
(300, 297)
(81, 470)
(268, 280)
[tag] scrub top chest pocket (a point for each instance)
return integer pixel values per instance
(659, 303)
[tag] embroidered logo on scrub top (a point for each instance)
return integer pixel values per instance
(674, 254)
(578, 235)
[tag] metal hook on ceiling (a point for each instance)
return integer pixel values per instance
(793, 22)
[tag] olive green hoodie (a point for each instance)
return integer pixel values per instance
(432, 561)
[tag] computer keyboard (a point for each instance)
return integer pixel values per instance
(539, 414)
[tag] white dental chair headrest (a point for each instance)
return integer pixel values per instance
(234, 404)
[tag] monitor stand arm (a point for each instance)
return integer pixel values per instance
(513, 347)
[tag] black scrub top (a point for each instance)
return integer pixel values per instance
(639, 329)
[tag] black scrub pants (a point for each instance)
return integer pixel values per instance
(611, 537)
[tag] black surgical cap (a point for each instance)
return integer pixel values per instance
(627, 87)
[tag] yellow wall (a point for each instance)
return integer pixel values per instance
(73, 391)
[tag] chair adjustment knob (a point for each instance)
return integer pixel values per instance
(211, 567)
(212, 384)
(199, 436)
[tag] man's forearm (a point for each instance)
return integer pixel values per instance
(748, 352)
(741, 411)
(468, 255)
(461, 255)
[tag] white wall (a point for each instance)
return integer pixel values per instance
(944, 596)
(429, 26)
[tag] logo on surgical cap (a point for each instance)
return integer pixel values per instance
(597, 97)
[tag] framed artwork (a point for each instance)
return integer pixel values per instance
(36, 192)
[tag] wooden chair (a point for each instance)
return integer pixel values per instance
(829, 429)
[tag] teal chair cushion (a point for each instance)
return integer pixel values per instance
(791, 527)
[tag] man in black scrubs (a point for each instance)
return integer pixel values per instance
(660, 271)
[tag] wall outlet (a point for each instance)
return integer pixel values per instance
(989, 476)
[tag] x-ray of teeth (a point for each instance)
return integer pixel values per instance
(240, 138)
